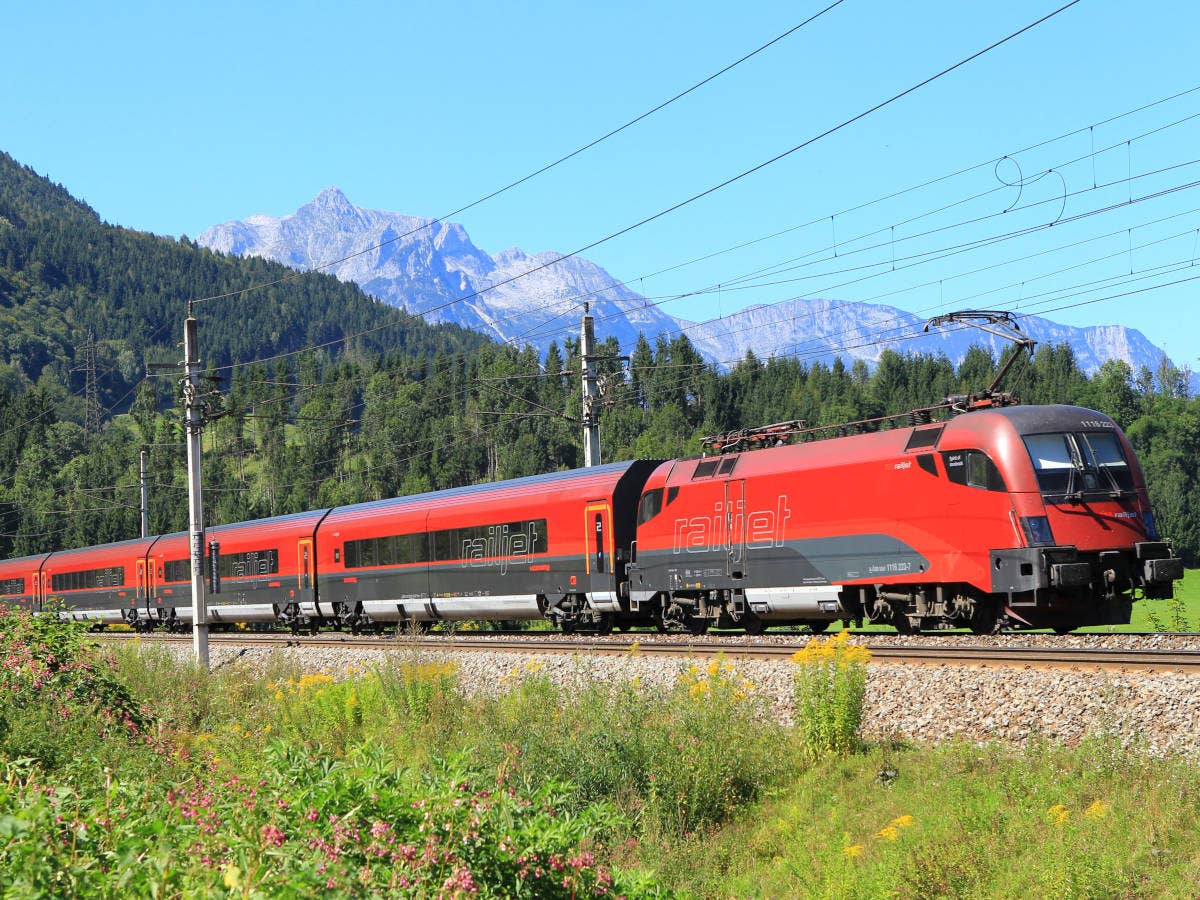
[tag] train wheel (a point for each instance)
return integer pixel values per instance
(754, 625)
(985, 620)
(817, 626)
(604, 625)
(568, 627)
(696, 625)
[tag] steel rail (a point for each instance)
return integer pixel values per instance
(932, 654)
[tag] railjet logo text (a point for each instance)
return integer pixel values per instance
(730, 526)
(500, 545)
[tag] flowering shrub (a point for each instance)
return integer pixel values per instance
(830, 680)
(56, 693)
(266, 809)
(363, 826)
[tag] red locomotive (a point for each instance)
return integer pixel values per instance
(1017, 516)
(1028, 516)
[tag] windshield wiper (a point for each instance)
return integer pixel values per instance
(1116, 493)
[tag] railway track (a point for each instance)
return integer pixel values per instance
(1184, 660)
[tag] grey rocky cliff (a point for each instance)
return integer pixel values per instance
(427, 267)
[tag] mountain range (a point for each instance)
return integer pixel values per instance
(432, 268)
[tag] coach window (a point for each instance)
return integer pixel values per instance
(651, 505)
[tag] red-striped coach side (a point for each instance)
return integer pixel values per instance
(21, 581)
(552, 545)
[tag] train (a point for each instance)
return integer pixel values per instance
(997, 518)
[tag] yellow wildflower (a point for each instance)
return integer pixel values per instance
(233, 878)
(1098, 810)
(836, 649)
(904, 821)
(889, 832)
(853, 851)
(1058, 814)
(635, 647)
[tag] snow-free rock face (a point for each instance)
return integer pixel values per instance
(820, 329)
(432, 268)
(428, 267)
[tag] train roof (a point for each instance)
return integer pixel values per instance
(1043, 419)
(609, 473)
(103, 548)
(37, 559)
(273, 522)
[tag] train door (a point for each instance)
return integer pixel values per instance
(151, 583)
(735, 528)
(599, 536)
(143, 593)
(36, 603)
(304, 563)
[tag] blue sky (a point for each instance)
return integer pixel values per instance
(170, 118)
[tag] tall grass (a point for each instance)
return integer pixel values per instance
(674, 763)
(960, 821)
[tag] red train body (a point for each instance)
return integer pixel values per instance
(1021, 516)
(1030, 515)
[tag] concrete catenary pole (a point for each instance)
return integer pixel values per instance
(195, 424)
(591, 391)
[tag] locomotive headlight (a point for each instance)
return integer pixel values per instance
(1149, 525)
(1037, 530)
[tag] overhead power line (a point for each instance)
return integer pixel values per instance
(534, 174)
(694, 197)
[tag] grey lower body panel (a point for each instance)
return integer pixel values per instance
(793, 566)
(451, 591)
(429, 609)
(797, 602)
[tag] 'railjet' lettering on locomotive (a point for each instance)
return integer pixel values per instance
(729, 528)
(500, 545)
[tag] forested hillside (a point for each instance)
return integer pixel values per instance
(65, 273)
(406, 409)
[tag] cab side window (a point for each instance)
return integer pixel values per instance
(973, 468)
(651, 505)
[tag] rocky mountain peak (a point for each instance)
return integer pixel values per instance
(427, 265)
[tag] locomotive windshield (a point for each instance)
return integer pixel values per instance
(1072, 464)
